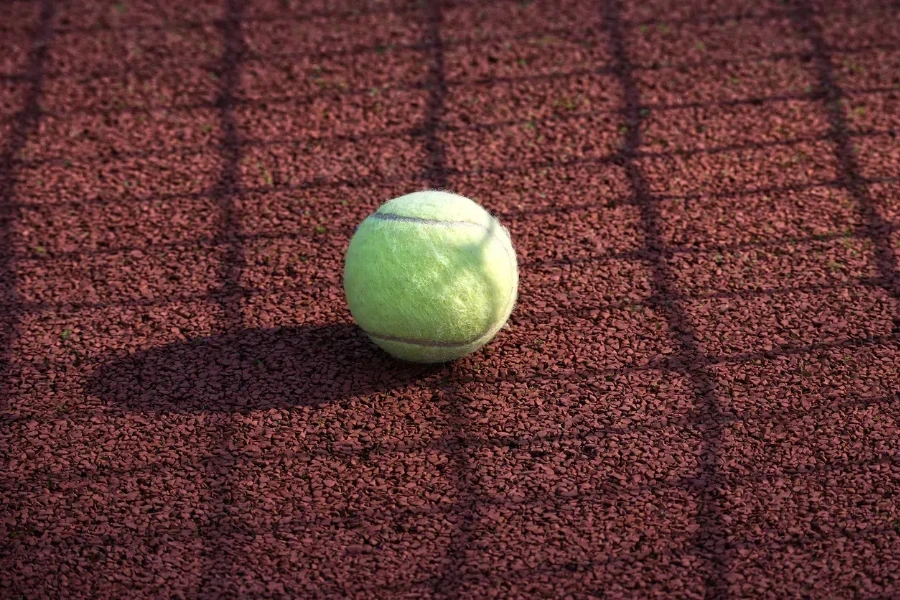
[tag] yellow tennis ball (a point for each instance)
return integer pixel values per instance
(431, 276)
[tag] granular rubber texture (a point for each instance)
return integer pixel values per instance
(695, 397)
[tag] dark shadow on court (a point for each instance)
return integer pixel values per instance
(254, 369)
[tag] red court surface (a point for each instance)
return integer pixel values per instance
(696, 396)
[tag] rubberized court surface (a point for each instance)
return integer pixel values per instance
(696, 396)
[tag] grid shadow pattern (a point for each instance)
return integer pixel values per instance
(233, 235)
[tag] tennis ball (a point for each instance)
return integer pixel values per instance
(430, 276)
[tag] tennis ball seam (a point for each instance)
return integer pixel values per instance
(424, 344)
(380, 216)
(422, 221)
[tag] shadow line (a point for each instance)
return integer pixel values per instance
(455, 442)
(675, 364)
(223, 525)
(874, 226)
(473, 44)
(24, 125)
(280, 17)
(710, 540)
(120, 382)
(185, 152)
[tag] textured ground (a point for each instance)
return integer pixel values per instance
(696, 397)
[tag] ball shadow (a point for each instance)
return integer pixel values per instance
(254, 369)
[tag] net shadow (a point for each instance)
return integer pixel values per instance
(874, 227)
(172, 379)
(463, 509)
(217, 565)
(666, 300)
(24, 124)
